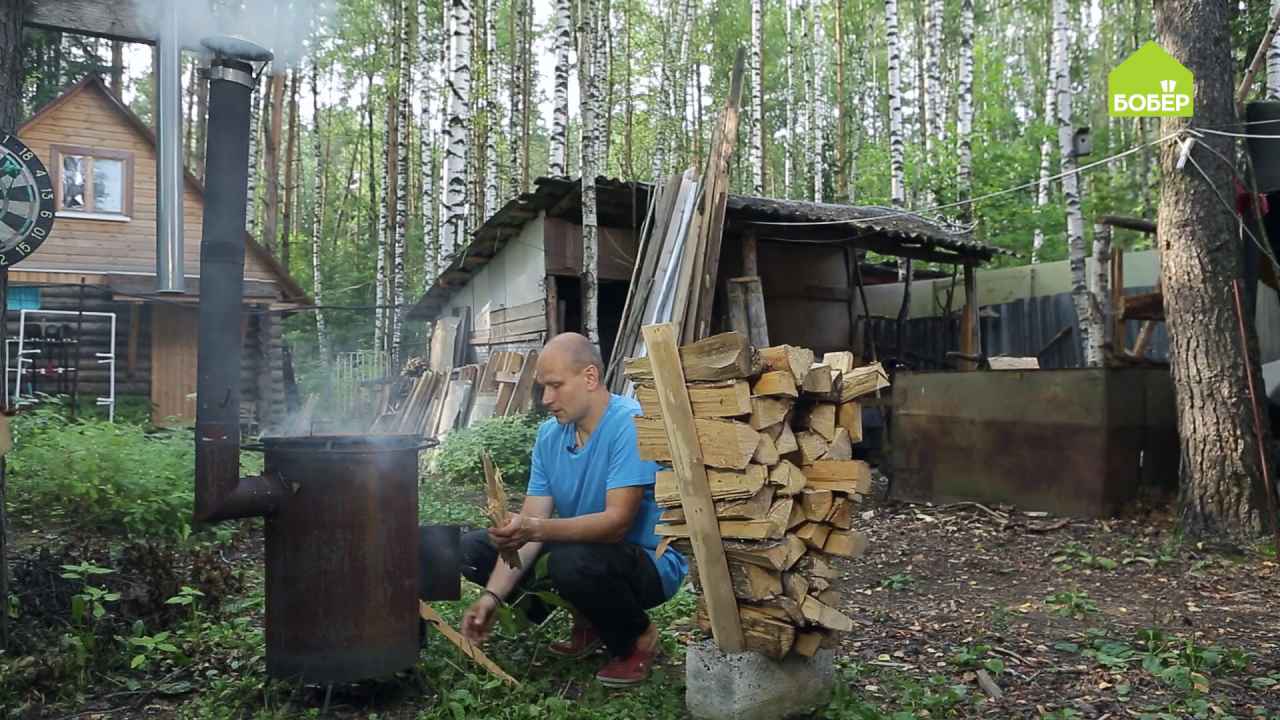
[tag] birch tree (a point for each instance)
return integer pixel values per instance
(964, 111)
(589, 102)
(251, 196)
(517, 67)
(382, 319)
(455, 213)
(317, 216)
(817, 108)
(403, 127)
(756, 83)
(897, 169)
(1070, 182)
(491, 191)
(932, 104)
(1273, 60)
(789, 166)
(1046, 145)
(563, 38)
(427, 149)
(271, 163)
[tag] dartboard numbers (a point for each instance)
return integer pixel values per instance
(26, 201)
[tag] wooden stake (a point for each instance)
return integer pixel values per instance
(695, 493)
(433, 619)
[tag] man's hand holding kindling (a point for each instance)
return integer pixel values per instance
(519, 530)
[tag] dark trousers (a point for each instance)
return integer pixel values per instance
(611, 585)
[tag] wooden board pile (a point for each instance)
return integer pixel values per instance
(777, 431)
(432, 402)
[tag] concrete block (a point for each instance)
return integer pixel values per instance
(750, 686)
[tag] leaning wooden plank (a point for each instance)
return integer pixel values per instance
(775, 383)
(766, 411)
(731, 398)
(828, 617)
(727, 356)
(522, 395)
(695, 492)
(725, 443)
(862, 381)
(433, 619)
(724, 484)
(845, 543)
(736, 529)
(796, 360)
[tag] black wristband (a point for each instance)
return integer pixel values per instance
(495, 596)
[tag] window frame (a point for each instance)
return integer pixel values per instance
(89, 212)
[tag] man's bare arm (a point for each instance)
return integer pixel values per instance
(609, 526)
(504, 577)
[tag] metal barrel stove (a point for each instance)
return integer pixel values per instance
(342, 557)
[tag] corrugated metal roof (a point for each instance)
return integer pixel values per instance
(623, 203)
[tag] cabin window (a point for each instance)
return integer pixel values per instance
(93, 183)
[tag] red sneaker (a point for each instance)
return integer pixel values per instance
(632, 669)
(583, 640)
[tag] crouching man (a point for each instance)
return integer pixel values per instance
(590, 508)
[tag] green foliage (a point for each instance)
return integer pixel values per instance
(118, 478)
(898, 581)
(508, 440)
(1071, 603)
(1076, 555)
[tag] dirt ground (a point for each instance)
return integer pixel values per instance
(942, 588)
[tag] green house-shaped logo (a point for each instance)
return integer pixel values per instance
(1150, 83)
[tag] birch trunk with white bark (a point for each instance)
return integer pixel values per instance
(317, 218)
(1070, 183)
(756, 83)
(457, 153)
(964, 111)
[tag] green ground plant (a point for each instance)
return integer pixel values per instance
(508, 441)
(116, 478)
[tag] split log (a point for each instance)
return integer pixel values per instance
(775, 383)
(755, 507)
(817, 504)
(812, 446)
(727, 356)
(796, 588)
(776, 554)
(820, 418)
(760, 633)
(766, 411)
(767, 451)
(849, 417)
(797, 517)
(780, 608)
(844, 543)
(750, 582)
(842, 476)
(814, 534)
(841, 513)
(737, 529)
(824, 615)
(779, 514)
(843, 361)
(709, 400)
(724, 484)
(841, 447)
(813, 565)
(807, 643)
(797, 360)
(819, 380)
(784, 438)
(789, 478)
(862, 381)
(725, 443)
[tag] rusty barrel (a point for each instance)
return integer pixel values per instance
(342, 557)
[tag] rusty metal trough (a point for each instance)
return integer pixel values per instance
(1077, 442)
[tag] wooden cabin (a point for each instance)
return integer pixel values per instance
(518, 281)
(100, 257)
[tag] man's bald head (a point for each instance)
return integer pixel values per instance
(576, 350)
(572, 377)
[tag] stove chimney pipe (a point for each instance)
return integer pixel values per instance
(169, 253)
(221, 493)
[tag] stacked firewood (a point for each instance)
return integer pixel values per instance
(776, 431)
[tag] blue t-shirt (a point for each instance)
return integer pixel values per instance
(577, 480)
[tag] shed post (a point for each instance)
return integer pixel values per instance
(970, 327)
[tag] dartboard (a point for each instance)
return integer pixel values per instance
(26, 201)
